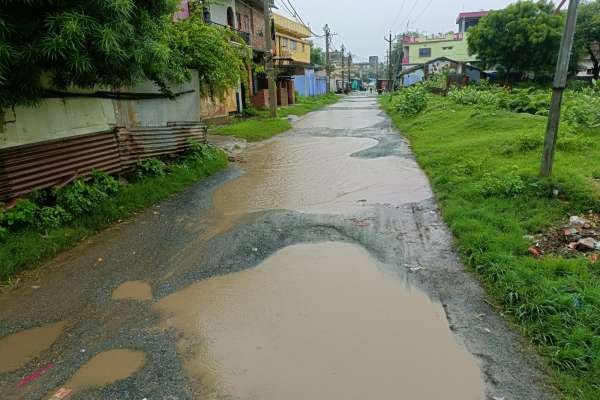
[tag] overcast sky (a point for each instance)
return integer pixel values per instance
(361, 25)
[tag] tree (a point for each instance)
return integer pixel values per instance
(317, 56)
(524, 37)
(587, 36)
(84, 43)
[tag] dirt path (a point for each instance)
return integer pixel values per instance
(319, 268)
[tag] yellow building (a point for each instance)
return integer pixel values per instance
(291, 40)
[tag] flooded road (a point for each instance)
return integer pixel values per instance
(319, 321)
(318, 267)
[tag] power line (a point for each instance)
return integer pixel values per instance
(423, 12)
(398, 15)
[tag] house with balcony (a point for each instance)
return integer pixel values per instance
(419, 50)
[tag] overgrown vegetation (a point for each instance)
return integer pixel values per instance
(410, 101)
(113, 43)
(40, 226)
(483, 162)
(259, 127)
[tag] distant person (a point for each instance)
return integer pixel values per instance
(371, 89)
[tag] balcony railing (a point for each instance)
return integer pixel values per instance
(244, 35)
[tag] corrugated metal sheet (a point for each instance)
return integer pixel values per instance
(56, 162)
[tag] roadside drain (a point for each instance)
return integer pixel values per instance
(318, 321)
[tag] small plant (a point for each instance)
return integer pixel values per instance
(81, 197)
(410, 101)
(508, 184)
(22, 215)
(201, 151)
(52, 217)
(150, 167)
(250, 112)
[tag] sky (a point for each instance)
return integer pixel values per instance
(361, 26)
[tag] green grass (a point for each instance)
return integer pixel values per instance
(23, 250)
(261, 127)
(483, 165)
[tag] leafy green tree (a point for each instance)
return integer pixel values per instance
(84, 43)
(587, 36)
(317, 56)
(210, 49)
(524, 37)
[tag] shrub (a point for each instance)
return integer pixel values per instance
(528, 101)
(81, 197)
(52, 217)
(22, 215)
(250, 112)
(507, 184)
(151, 167)
(471, 95)
(583, 109)
(201, 151)
(410, 101)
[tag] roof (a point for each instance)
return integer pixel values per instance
(471, 14)
(290, 27)
(419, 66)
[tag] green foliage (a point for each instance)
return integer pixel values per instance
(587, 35)
(484, 166)
(52, 217)
(471, 95)
(317, 56)
(523, 37)
(209, 49)
(528, 101)
(84, 43)
(410, 101)
(21, 215)
(150, 167)
(82, 197)
(583, 108)
(506, 184)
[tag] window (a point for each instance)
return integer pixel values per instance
(284, 42)
(303, 47)
(239, 21)
(425, 52)
(448, 48)
(230, 18)
(293, 45)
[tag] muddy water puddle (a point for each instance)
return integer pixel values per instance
(18, 349)
(106, 368)
(133, 290)
(318, 321)
(317, 175)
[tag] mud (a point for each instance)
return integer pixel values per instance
(317, 175)
(133, 290)
(320, 321)
(18, 349)
(107, 368)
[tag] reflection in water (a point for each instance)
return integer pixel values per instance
(18, 349)
(318, 321)
(317, 175)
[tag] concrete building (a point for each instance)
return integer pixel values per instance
(422, 49)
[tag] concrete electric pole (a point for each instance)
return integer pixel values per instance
(327, 60)
(390, 41)
(558, 88)
(349, 71)
(269, 60)
(343, 75)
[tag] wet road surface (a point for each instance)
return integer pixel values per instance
(319, 268)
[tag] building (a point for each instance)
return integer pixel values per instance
(458, 72)
(422, 49)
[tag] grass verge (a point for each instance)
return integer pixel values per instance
(25, 249)
(483, 165)
(262, 127)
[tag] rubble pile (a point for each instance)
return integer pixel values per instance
(580, 237)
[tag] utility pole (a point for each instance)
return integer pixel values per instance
(269, 60)
(558, 88)
(343, 76)
(349, 71)
(390, 41)
(327, 60)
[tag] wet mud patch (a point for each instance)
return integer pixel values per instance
(18, 349)
(133, 290)
(318, 321)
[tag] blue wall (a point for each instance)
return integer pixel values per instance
(309, 84)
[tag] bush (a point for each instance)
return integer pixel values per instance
(583, 108)
(22, 215)
(472, 95)
(151, 167)
(250, 112)
(201, 151)
(507, 184)
(81, 197)
(410, 101)
(52, 217)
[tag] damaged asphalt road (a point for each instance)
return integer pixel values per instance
(341, 177)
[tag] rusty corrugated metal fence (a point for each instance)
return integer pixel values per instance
(56, 162)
